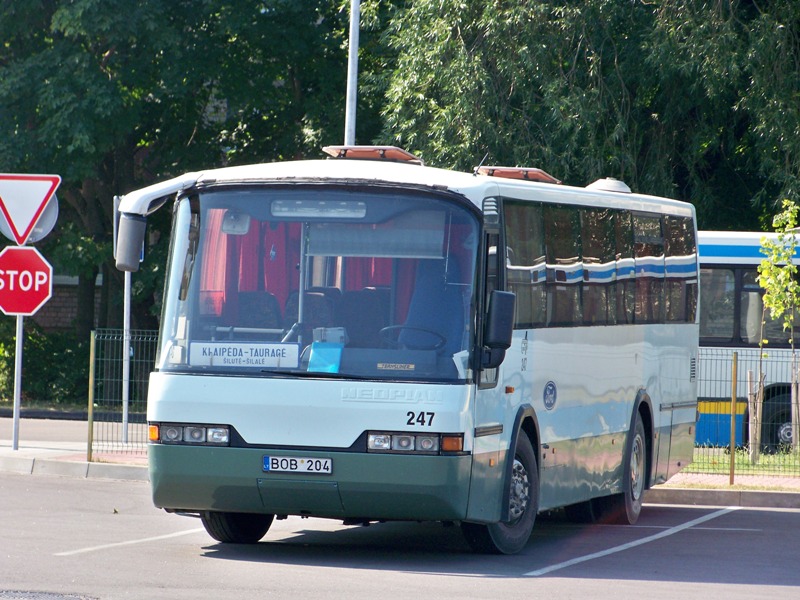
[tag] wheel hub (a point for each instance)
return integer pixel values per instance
(637, 468)
(785, 434)
(520, 491)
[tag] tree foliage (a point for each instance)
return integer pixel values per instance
(116, 94)
(686, 98)
(777, 273)
(690, 99)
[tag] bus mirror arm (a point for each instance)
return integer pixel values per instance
(499, 328)
(492, 358)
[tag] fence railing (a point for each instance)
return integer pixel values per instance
(761, 428)
(115, 428)
(111, 433)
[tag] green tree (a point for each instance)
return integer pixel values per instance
(115, 94)
(777, 273)
(678, 98)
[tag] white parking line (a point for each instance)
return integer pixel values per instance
(129, 542)
(628, 546)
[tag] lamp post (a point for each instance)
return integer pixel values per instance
(352, 75)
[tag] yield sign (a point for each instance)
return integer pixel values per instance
(23, 199)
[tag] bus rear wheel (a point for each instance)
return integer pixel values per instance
(624, 508)
(511, 536)
(236, 528)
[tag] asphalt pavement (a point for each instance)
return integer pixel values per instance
(52, 446)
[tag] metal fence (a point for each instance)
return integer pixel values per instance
(117, 431)
(729, 409)
(118, 394)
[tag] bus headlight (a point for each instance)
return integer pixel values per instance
(428, 443)
(194, 435)
(379, 441)
(403, 442)
(198, 435)
(218, 435)
(171, 434)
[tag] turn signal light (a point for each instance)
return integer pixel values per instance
(452, 443)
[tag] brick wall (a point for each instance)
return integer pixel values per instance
(58, 313)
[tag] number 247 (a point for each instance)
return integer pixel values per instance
(420, 418)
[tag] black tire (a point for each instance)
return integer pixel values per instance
(511, 536)
(236, 528)
(776, 425)
(625, 508)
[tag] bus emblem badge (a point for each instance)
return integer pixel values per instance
(550, 395)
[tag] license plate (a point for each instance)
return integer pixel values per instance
(298, 464)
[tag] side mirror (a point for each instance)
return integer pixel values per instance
(130, 240)
(499, 328)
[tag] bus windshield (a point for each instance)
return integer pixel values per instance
(320, 282)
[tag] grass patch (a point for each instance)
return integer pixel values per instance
(740, 487)
(716, 461)
(26, 404)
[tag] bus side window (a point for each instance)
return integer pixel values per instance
(599, 254)
(773, 328)
(564, 265)
(717, 307)
(524, 265)
(751, 311)
(625, 283)
(680, 293)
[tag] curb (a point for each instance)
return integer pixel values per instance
(79, 469)
(717, 497)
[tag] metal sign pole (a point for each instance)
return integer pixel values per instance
(126, 356)
(17, 383)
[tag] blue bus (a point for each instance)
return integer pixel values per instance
(731, 314)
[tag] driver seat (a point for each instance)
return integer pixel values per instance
(437, 304)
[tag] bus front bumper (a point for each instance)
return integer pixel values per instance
(360, 485)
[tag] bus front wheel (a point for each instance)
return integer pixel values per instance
(236, 528)
(511, 536)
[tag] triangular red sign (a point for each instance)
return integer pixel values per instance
(23, 199)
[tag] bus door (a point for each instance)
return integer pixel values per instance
(490, 408)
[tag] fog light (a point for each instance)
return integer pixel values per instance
(379, 441)
(171, 433)
(403, 442)
(196, 435)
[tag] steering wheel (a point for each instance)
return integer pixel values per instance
(389, 335)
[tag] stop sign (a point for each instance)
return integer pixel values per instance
(26, 280)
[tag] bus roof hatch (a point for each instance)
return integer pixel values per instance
(392, 153)
(526, 173)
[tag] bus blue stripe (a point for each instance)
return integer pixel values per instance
(684, 269)
(731, 251)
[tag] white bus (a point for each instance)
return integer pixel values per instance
(730, 321)
(341, 338)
